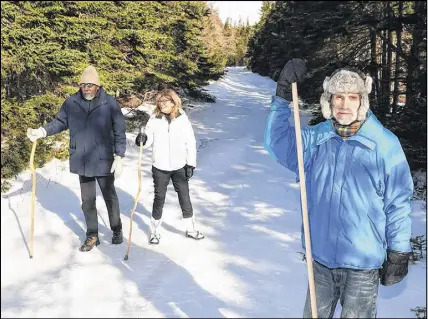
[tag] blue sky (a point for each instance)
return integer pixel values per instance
(236, 9)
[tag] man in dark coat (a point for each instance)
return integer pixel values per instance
(97, 148)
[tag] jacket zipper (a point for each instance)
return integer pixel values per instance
(84, 145)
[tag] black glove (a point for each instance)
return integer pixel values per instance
(141, 137)
(189, 171)
(293, 71)
(395, 267)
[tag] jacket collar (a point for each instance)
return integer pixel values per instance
(100, 99)
(163, 116)
(363, 135)
(367, 131)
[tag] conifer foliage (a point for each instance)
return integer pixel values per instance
(386, 39)
(136, 46)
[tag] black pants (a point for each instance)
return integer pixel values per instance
(88, 191)
(181, 186)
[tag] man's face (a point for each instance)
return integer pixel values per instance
(345, 107)
(166, 105)
(89, 90)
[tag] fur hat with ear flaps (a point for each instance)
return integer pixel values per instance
(346, 81)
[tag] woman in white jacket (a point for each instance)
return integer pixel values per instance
(170, 133)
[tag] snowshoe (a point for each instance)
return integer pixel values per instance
(155, 230)
(195, 235)
(191, 231)
(154, 239)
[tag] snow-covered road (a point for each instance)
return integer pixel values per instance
(247, 205)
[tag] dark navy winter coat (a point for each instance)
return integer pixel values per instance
(97, 131)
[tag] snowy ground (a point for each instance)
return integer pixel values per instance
(247, 205)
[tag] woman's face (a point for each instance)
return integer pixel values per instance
(166, 104)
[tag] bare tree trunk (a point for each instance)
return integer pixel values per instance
(384, 77)
(413, 61)
(374, 67)
(421, 9)
(389, 63)
(397, 58)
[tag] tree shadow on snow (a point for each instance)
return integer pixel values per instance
(169, 287)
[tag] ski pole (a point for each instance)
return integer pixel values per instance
(33, 196)
(303, 200)
(136, 199)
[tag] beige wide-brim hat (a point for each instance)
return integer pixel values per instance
(90, 75)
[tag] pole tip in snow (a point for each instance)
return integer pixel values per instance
(31, 257)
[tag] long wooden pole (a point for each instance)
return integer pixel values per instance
(303, 200)
(136, 199)
(33, 196)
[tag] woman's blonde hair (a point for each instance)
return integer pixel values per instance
(170, 94)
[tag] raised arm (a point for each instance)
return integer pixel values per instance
(280, 136)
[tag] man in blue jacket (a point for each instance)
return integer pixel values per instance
(358, 186)
(97, 147)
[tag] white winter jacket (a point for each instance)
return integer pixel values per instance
(174, 143)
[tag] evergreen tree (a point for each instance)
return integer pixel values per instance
(136, 46)
(384, 39)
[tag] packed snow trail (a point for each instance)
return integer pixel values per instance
(246, 204)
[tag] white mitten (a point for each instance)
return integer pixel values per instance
(116, 168)
(34, 134)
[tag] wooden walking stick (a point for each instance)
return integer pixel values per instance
(303, 200)
(33, 195)
(136, 199)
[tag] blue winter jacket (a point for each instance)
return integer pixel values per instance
(358, 189)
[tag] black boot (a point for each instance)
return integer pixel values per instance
(89, 243)
(117, 237)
